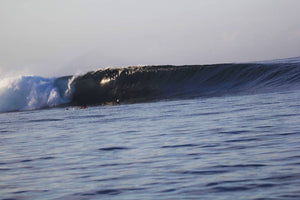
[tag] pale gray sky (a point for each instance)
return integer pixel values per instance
(60, 37)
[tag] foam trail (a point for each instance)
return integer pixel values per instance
(30, 92)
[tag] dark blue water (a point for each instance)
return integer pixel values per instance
(226, 147)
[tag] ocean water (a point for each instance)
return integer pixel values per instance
(241, 143)
(230, 147)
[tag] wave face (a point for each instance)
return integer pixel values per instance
(148, 83)
(137, 84)
(32, 92)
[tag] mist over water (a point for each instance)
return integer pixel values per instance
(86, 35)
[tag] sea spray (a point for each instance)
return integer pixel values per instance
(70, 89)
(30, 92)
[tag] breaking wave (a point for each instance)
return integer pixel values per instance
(33, 92)
(148, 83)
(137, 84)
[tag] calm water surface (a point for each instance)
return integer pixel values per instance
(230, 147)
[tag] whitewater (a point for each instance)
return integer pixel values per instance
(222, 131)
(30, 92)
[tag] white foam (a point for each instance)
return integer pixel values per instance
(70, 88)
(29, 92)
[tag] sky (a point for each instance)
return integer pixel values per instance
(65, 37)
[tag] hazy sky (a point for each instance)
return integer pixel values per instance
(60, 37)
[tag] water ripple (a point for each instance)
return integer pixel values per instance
(113, 148)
